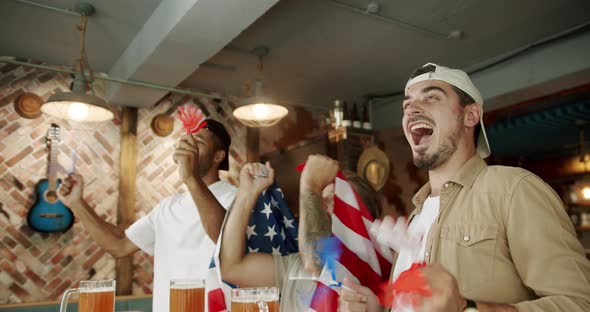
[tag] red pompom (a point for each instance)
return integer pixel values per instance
(407, 290)
(192, 118)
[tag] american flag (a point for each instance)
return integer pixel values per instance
(361, 259)
(272, 229)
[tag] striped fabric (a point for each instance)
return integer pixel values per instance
(361, 259)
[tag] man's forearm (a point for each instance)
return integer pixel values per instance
(314, 224)
(233, 239)
(210, 210)
(108, 236)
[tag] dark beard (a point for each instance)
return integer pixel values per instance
(446, 150)
(205, 164)
(437, 159)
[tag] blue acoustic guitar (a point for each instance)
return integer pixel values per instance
(49, 214)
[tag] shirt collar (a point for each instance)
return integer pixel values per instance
(421, 195)
(468, 173)
(465, 177)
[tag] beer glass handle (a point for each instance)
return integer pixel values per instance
(262, 306)
(64, 299)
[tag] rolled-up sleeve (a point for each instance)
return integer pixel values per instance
(546, 252)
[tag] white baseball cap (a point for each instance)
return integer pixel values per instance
(459, 79)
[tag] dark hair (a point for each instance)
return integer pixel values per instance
(217, 144)
(366, 192)
(464, 98)
(423, 70)
(221, 141)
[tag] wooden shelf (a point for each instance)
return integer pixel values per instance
(583, 228)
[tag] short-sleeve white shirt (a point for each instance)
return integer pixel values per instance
(172, 232)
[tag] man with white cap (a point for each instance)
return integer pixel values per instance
(494, 238)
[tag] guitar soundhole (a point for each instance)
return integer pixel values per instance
(51, 197)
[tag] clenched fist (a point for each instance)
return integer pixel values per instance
(319, 172)
(186, 155)
(71, 190)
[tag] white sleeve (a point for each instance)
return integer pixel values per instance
(229, 198)
(143, 232)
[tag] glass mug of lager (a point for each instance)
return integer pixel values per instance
(262, 299)
(187, 295)
(95, 296)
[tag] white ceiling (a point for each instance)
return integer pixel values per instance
(319, 50)
(44, 35)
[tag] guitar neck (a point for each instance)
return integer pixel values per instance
(52, 168)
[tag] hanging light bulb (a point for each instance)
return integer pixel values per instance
(77, 105)
(78, 111)
(260, 111)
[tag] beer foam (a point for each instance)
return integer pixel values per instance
(96, 290)
(187, 286)
(254, 299)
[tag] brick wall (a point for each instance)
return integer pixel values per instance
(36, 267)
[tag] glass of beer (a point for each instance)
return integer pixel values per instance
(95, 296)
(261, 299)
(187, 295)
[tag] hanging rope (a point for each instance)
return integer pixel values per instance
(82, 62)
(259, 68)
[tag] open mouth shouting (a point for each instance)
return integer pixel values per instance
(421, 133)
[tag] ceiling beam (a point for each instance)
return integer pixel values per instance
(542, 71)
(178, 37)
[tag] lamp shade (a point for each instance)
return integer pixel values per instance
(260, 114)
(77, 105)
(259, 111)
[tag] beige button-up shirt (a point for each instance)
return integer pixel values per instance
(505, 235)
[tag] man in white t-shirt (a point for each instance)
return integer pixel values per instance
(181, 231)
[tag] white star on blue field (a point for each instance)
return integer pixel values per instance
(272, 227)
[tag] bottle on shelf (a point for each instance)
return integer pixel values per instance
(346, 121)
(366, 118)
(356, 117)
(337, 114)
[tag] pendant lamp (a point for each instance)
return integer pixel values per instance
(78, 105)
(260, 111)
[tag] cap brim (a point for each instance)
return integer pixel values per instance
(483, 146)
